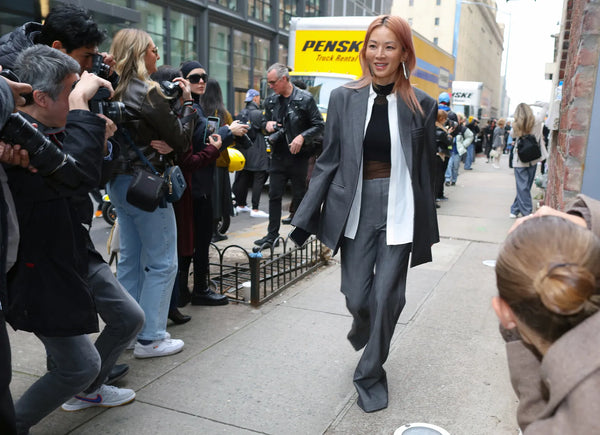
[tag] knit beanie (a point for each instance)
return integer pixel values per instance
(186, 67)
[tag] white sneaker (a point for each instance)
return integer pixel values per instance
(105, 396)
(512, 216)
(259, 214)
(496, 166)
(244, 209)
(164, 347)
(131, 345)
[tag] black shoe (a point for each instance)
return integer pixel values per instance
(218, 237)
(209, 297)
(453, 183)
(116, 373)
(268, 239)
(178, 317)
(447, 183)
(287, 220)
(437, 205)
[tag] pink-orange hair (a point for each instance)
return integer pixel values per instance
(401, 29)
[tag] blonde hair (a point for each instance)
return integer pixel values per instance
(547, 272)
(524, 120)
(401, 29)
(501, 122)
(129, 51)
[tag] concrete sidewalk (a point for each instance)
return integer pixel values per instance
(286, 367)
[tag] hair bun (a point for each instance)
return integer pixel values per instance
(565, 288)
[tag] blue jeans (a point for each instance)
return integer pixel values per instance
(148, 259)
(452, 170)
(524, 179)
(470, 156)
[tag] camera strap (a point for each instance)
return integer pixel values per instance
(139, 152)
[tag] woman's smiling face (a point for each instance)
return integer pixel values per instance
(384, 54)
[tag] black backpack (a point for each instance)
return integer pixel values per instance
(528, 148)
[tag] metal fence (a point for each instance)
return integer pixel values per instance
(255, 277)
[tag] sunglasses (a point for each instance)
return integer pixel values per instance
(195, 78)
(154, 50)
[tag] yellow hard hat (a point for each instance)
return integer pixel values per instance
(236, 160)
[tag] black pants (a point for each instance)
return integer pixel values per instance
(243, 180)
(293, 169)
(203, 227)
(440, 171)
(7, 409)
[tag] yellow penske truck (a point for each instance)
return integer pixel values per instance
(323, 53)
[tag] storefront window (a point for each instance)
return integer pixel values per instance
(312, 8)
(260, 10)
(283, 54)
(153, 22)
(183, 41)
(218, 55)
(261, 60)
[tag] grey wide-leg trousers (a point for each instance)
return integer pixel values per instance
(374, 283)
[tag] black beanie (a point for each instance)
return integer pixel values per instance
(186, 67)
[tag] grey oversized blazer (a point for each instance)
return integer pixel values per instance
(326, 206)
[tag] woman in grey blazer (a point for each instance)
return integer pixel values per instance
(371, 194)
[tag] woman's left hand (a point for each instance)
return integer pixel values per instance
(161, 146)
(185, 87)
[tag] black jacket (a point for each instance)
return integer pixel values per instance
(48, 290)
(301, 117)
(16, 41)
(256, 156)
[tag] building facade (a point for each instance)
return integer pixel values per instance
(236, 40)
(468, 30)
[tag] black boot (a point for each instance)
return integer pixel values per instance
(178, 317)
(208, 297)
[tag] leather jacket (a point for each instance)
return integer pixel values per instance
(153, 119)
(301, 117)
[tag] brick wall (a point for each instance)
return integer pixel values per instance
(578, 65)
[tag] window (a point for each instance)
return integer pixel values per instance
(229, 4)
(261, 59)
(153, 22)
(312, 8)
(241, 59)
(287, 10)
(436, 21)
(438, 2)
(435, 40)
(260, 9)
(183, 42)
(410, 22)
(411, 2)
(218, 54)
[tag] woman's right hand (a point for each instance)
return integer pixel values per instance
(185, 87)
(215, 140)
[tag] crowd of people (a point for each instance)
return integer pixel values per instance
(385, 156)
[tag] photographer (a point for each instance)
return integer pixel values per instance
(9, 240)
(49, 286)
(292, 118)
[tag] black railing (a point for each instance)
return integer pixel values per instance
(254, 278)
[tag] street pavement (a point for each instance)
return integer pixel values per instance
(286, 366)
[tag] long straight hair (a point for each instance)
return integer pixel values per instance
(401, 29)
(129, 50)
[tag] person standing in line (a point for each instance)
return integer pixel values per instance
(473, 125)
(443, 141)
(525, 122)
(463, 138)
(293, 120)
(498, 142)
(384, 212)
(488, 136)
(257, 159)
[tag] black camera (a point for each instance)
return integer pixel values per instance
(45, 156)
(171, 89)
(99, 67)
(451, 124)
(278, 135)
(114, 110)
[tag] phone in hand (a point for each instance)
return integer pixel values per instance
(212, 124)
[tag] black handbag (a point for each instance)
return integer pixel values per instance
(146, 190)
(176, 184)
